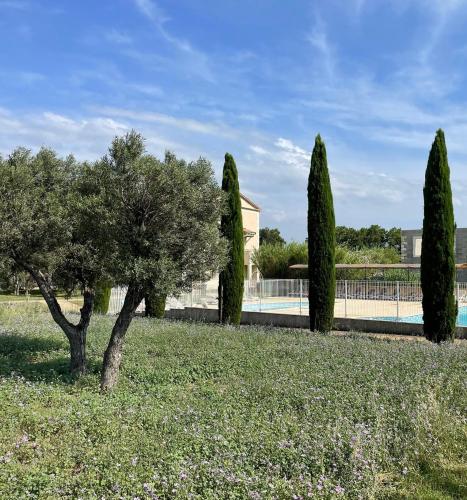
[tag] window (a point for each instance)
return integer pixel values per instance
(417, 246)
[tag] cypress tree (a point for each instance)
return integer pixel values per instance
(102, 292)
(232, 276)
(437, 260)
(321, 242)
(155, 304)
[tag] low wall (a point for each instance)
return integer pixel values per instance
(295, 321)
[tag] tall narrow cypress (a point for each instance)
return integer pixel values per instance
(437, 260)
(321, 242)
(232, 276)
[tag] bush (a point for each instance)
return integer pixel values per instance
(274, 262)
(155, 305)
(103, 291)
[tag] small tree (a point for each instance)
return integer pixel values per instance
(274, 261)
(165, 218)
(48, 225)
(321, 242)
(231, 278)
(437, 260)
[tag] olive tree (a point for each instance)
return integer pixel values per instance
(50, 221)
(165, 217)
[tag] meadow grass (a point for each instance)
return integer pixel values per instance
(204, 411)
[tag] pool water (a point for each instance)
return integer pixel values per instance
(269, 306)
(417, 318)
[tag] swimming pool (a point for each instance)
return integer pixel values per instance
(270, 306)
(418, 318)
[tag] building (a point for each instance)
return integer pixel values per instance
(411, 248)
(250, 219)
(250, 216)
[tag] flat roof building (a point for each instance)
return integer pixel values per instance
(411, 248)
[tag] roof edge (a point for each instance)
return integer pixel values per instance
(254, 205)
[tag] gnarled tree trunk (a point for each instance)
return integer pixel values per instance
(76, 334)
(114, 351)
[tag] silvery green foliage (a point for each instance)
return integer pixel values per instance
(43, 218)
(163, 217)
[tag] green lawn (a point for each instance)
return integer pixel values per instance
(203, 411)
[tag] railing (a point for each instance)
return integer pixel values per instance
(384, 300)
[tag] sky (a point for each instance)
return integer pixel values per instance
(376, 78)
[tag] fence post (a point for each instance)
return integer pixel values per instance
(260, 293)
(398, 297)
(345, 299)
(301, 292)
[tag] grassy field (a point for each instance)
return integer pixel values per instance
(203, 411)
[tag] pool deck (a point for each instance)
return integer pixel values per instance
(352, 308)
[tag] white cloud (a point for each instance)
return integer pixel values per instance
(196, 60)
(216, 129)
(320, 42)
(258, 150)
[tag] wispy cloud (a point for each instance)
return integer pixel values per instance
(320, 42)
(87, 137)
(189, 124)
(195, 58)
(158, 17)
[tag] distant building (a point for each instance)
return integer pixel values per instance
(411, 248)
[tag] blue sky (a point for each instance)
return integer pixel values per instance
(257, 79)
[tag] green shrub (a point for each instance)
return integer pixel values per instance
(103, 290)
(155, 304)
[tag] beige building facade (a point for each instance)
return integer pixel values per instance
(250, 216)
(250, 219)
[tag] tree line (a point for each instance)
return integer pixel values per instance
(437, 259)
(373, 236)
(274, 261)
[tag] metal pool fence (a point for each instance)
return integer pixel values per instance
(385, 300)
